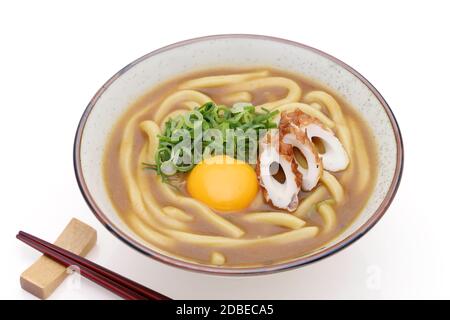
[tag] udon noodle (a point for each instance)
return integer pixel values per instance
(175, 223)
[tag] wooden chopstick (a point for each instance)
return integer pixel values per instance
(122, 291)
(108, 279)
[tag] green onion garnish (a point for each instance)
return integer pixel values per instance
(169, 157)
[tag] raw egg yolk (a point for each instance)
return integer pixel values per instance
(223, 183)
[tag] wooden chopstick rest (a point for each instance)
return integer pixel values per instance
(45, 275)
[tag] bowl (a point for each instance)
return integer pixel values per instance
(127, 85)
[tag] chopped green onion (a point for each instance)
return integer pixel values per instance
(168, 168)
(242, 115)
(197, 117)
(238, 107)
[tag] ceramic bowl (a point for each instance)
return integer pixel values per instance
(116, 95)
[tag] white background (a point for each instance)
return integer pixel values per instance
(54, 56)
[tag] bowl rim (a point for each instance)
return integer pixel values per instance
(186, 265)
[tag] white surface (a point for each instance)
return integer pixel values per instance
(54, 57)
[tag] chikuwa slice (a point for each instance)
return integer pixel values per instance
(312, 173)
(272, 151)
(335, 157)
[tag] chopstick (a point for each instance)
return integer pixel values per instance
(108, 279)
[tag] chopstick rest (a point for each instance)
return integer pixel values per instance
(45, 275)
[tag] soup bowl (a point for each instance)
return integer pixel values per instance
(127, 85)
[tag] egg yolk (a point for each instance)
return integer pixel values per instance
(223, 183)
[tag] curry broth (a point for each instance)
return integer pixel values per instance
(251, 255)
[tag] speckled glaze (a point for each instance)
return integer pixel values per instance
(115, 96)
